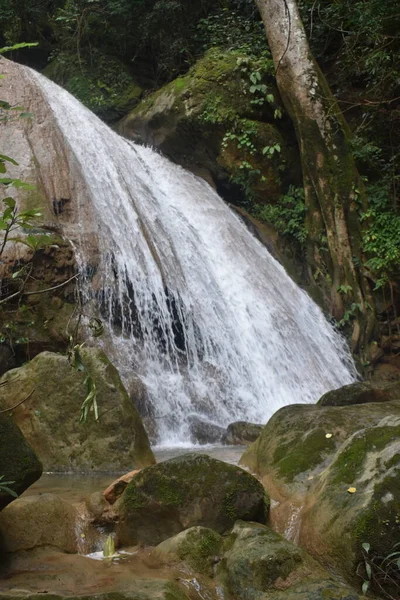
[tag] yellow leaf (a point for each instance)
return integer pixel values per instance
(328, 435)
(351, 490)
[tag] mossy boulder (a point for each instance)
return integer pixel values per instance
(50, 417)
(191, 490)
(362, 393)
(102, 83)
(357, 500)
(44, 520)
(259, 563)
(242, 433)
(206, 121)
(340, 466)
(199, 547)
(18, 461)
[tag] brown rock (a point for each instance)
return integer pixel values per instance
(114, 491)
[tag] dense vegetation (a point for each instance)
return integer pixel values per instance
(98, 47)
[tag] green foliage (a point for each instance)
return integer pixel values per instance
(380, 574)
(287, 215)
(90, 402)
(233, 30)
(5, 487)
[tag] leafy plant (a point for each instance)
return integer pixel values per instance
(90, 402)
(287, 215)
(380, 573)
(5, 487)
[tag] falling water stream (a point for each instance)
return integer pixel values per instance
(193, 303)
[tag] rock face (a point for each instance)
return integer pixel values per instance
(261, 564)
(189, 117)
(44, 520)
(198, 546)
(18, 462)
(50, 418)
(242, 433)
(187, 491)
(341, 466)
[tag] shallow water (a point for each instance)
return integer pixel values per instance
(74, 487)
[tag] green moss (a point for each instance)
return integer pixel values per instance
(199, 548)
(379, 524)
(180, 83)
(292, 459)
(349, 463)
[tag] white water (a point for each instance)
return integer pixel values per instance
(234, 337)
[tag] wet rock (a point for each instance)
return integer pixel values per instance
(205, 432)
(340, 466)
(259, 563)
(18, 462)
(44, 520)
(50, 418)
(187, 491)
(199, 547)
(362, 393)
(241, 433)
(114, 491)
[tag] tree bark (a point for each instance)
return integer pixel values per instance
(333, 189)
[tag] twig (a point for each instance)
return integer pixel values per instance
(13, 407)
(39, 291)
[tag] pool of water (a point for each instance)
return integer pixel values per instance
(75, 487)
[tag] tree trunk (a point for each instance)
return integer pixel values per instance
(333, 190)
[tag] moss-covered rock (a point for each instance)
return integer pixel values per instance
(357, 500)
(49, 419)
(197, 546)
(103, 83)
(44, 520)
(187, 491)
(208, 122)
(18, 462)
(362, 393)
(259, 563)
(341, 466)
(242, 433)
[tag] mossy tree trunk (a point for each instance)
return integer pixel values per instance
(333, 190)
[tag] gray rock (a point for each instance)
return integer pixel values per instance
(241, 433)
(205, 432)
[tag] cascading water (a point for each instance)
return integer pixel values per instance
(195, 305)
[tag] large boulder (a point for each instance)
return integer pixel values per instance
(18, 462)
(361, 393)
(44, 520)
(187, 491)
(191, 118)
(339, 468)
(49, 419)
(260, 564)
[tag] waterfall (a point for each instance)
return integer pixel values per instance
(193, 303)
